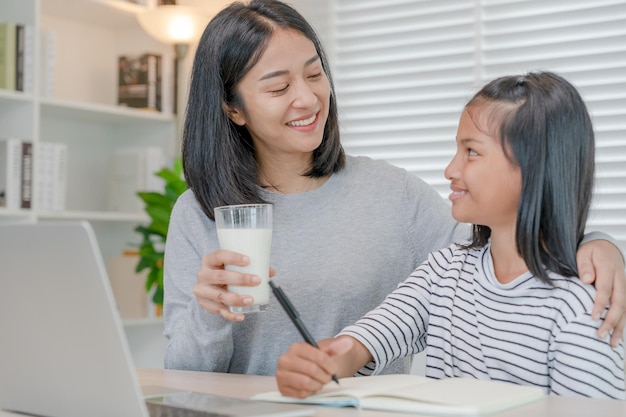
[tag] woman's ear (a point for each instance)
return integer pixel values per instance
(234, 114)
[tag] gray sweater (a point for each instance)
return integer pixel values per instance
(337, 251)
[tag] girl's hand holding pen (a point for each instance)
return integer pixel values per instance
(211, 288)
(303, 370)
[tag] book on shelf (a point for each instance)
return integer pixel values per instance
(16, 174)
(132, 170)
(8, 43)
(26, 187)
(10, 173)
(24, 57)
(51, 166)
(17, 48)
(47, 65)
(418, 394)
(139, 81)
(19, 57)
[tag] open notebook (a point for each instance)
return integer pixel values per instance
(63, 351)
(420, 395)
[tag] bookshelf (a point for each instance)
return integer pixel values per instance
(83, 114)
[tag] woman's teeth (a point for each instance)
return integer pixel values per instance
(304, 122)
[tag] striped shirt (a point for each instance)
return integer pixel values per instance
(526, 332)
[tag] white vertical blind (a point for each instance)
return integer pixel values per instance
(320, 14)
(405, 68)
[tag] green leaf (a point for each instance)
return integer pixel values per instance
(178, 167)
(152, 278)
(159, 215)
(168, 175)
(143, 230)
(175, 189)
(159, 229)
(144, 263)
(158, 296)
(154, 199)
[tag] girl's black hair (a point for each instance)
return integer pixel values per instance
(218, 156)
(544, 127)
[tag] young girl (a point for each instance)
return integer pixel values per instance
(507, 306)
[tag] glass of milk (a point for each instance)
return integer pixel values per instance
(247, 229)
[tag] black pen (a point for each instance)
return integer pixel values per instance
(295, 318)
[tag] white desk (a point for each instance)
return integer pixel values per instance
(245, 386)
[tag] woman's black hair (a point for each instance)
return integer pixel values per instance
(544, 127)
(218, 156)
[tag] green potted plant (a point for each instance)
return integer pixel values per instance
(158, 206)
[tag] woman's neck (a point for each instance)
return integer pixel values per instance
(286, 177)
(507, 262)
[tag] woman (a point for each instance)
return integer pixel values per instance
(262, 125)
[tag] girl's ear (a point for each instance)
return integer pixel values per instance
(234, 114)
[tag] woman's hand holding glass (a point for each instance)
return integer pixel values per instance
(210, 289)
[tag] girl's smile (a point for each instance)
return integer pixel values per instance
(456, 193)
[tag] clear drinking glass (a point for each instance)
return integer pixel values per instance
(247, 229)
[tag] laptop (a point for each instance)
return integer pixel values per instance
(63, 351)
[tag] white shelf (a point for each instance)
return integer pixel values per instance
(83, 115)
(19, 214)
(95, 216)
(101, 113)
(75, 215)
(7, 96)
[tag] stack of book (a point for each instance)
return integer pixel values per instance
(16, 174)
(139, 81)
(51, 166)
(17, 56)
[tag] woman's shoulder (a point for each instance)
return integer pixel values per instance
(366, 163)
(186, 207)
(186, 200)
(381, 172)
(188, 222)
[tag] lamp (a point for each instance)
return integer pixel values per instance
(174, 24)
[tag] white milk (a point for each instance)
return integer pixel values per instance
(254, 243)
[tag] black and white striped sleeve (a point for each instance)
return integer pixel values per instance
(397, 327)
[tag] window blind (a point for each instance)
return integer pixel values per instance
(405, 68)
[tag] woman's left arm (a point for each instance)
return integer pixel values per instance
(601, 262)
